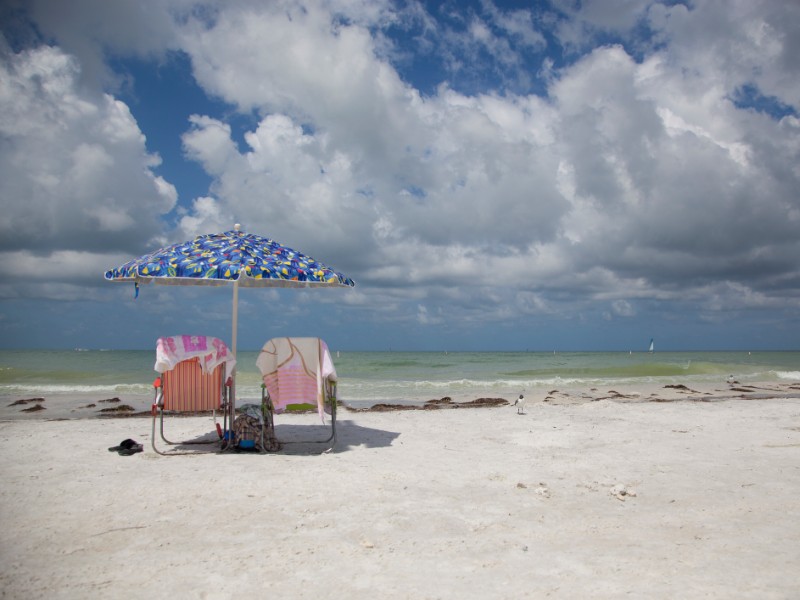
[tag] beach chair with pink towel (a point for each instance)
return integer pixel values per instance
(194, 377)
(298, 374)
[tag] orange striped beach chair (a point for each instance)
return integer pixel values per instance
(298, 374)
(193, 379)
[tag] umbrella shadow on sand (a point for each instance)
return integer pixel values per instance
(349, 435)
(295, 439)
(206, 443)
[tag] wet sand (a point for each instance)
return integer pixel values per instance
(79, 406)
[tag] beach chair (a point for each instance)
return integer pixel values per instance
(193, 379)
(298, 375)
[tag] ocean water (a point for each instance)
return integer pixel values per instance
(367, 378)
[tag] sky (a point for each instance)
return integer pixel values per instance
(494, 175)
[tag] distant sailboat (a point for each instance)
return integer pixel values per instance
(651, 346)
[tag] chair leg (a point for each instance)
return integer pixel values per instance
(331, 439)
(153, 432)
(333, 426)
(160, 417)
(333, 422)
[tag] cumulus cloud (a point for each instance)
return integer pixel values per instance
(75, 174)
(600, 184)
(93, 30)
(606, 174)
(64, 153)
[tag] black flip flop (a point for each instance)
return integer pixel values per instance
(127, 448)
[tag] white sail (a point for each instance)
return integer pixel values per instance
(651, 345)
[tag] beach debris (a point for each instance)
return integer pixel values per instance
(26, 401)
(541, 489)
(520, 404)
(615, 395)
(681, 388)
(558, 396)
(621, 492)
(550, 395)
(479, 402)
(110, 400)
(118, 409)
(435, 403)
(34, 408)
(384, 408)
(441, 403)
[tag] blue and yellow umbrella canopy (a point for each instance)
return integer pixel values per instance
(220, 258)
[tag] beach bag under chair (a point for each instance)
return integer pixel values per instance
(253, 429)
(193, 380)
(299, 375)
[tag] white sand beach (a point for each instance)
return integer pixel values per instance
(603, 499)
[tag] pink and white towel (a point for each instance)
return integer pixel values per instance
(296, 371)
(211, 352)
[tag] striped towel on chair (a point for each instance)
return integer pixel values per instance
(187, 388)
(295, 371)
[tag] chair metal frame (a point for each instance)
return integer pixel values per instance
(158, 409)
(330, 401)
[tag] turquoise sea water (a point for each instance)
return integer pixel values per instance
(366, 378)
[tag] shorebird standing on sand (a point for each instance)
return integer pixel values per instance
(520, 404)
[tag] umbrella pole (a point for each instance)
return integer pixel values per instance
(235, 329)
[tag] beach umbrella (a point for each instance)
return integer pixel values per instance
(231, 258)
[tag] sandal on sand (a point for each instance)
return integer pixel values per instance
(127, 448)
